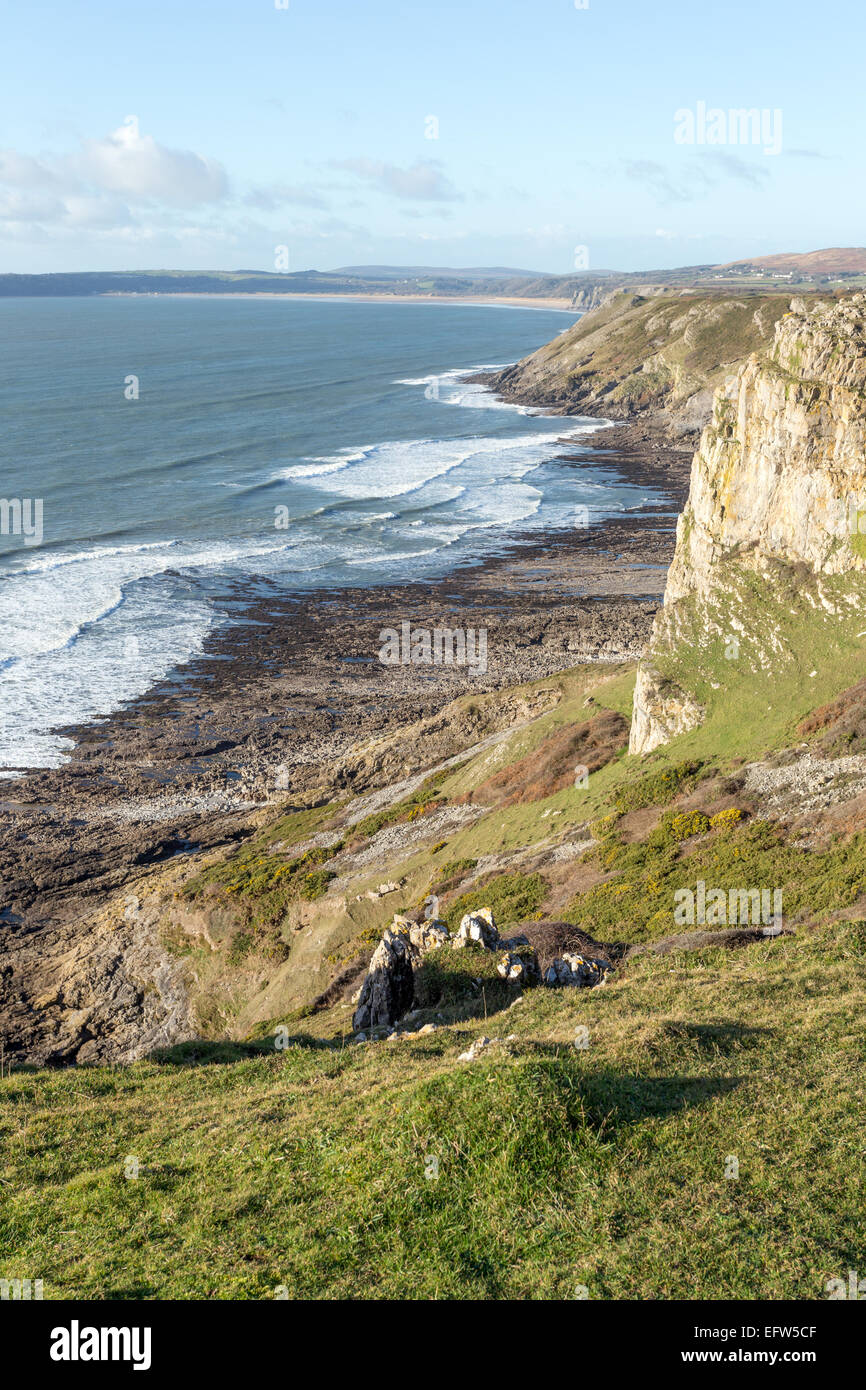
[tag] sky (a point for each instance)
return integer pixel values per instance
(545, 135)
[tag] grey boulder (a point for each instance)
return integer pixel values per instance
(389, 987)
(572, 969)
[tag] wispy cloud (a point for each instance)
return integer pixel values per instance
(423, 180)
(702, 173)
(280, 195)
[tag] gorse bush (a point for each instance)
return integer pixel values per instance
(455, 870)
(688, 823)
(658, 788)
(637, 902)
(260, 875)
(261, 888)
(314, 885)
(604, 826)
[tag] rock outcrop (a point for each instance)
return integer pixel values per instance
(389, 988)
(479, 927)
(474, 1051)
(577, 971)
(426, 936)
(661, 711)
(781, 468)
(519, 967)
(93, 987)
(779, 479)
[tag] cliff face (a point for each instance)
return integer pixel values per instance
(779, 480)
(592, 297)
(658, 353)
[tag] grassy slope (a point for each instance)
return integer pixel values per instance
(639, 352)
(558, 1166)
(800, 642)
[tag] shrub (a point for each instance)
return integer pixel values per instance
(315, 884)
(657, 788)
(689, 823)
(456, 869)
(511, 898)
(600, 829)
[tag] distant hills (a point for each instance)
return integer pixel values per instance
(401, 272)
(391, 280)
(849, 260)
(581, 289)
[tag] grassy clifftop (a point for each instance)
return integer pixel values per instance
(657, 351)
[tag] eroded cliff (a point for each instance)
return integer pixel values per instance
(777, 505)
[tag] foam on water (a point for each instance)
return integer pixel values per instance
(117, 661)
(320, 467)
(87, 627)
(452, 388)
(82, 632)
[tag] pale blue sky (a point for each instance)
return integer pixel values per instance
(306, 127)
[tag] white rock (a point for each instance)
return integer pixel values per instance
(475, 1050)
(479, 926)
(519, 969)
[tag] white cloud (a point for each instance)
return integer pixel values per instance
(106, 184)
(23, 171)
(278, 195)
(96, 210)
(139, 167)
(26, 206)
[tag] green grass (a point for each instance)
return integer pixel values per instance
(635, 903)
(393, 1170)
(511, 897)
(312, 1168)
(259, 889)
(800, 644)
(657, 788)
(258, 877)
(694, 341)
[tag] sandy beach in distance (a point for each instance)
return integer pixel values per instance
(563, 305)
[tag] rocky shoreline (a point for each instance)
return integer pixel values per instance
(283, 710)
(282, 695)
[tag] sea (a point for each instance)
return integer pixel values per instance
(159, 453)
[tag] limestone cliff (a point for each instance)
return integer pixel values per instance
(779, 479)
